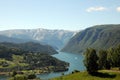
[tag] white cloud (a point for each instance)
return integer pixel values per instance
(92, 9)
(118, 9)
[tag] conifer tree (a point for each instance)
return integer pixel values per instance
(90, 61)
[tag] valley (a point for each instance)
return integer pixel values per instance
(54, 53)
(59, 39)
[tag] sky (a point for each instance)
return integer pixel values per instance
(58, 14)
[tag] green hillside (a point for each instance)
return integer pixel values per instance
(98, 37)
(31, 47)
(105, 75)
(17, 59)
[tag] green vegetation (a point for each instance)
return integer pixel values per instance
(15, 61)
(29, 47)
(105, 59)
(44, 61)
(40, 62)
(97, 37)
(22, 76)
(15, 58)
(31, 76)
(19, 77)
(103, 62)
(90, 61)
(104, 75)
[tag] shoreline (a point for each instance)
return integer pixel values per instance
(36, 72)
(4, 73)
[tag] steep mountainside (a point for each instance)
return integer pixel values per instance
(98, 37)
(55, 38)
(31, 47)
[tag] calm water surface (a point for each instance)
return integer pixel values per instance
(75, 60)
(3, 77)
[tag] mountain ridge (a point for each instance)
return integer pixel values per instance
(98, 37)
(55, 38)
(8, 39)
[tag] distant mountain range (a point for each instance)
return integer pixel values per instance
(98, 37)
(9, 39)
(55, 38)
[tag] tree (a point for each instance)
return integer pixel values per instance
(31, 76)
(102, 62)
(20, 77)
(14, 73)
(90, 61)
(117, 56)
(110, 56)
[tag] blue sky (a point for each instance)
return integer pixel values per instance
(58, 14)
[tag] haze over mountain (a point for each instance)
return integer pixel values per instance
(98, 37)
(9, 39)
(55, 38)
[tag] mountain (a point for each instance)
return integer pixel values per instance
(30, 47)
(98, 37)
(55, 38)
(9, 39)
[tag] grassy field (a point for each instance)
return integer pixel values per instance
(103, 75)
(15, 62)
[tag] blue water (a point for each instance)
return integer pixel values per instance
(75, 60)
(2, 77)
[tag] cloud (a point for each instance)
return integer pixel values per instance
(118, 9)
(92, 9)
